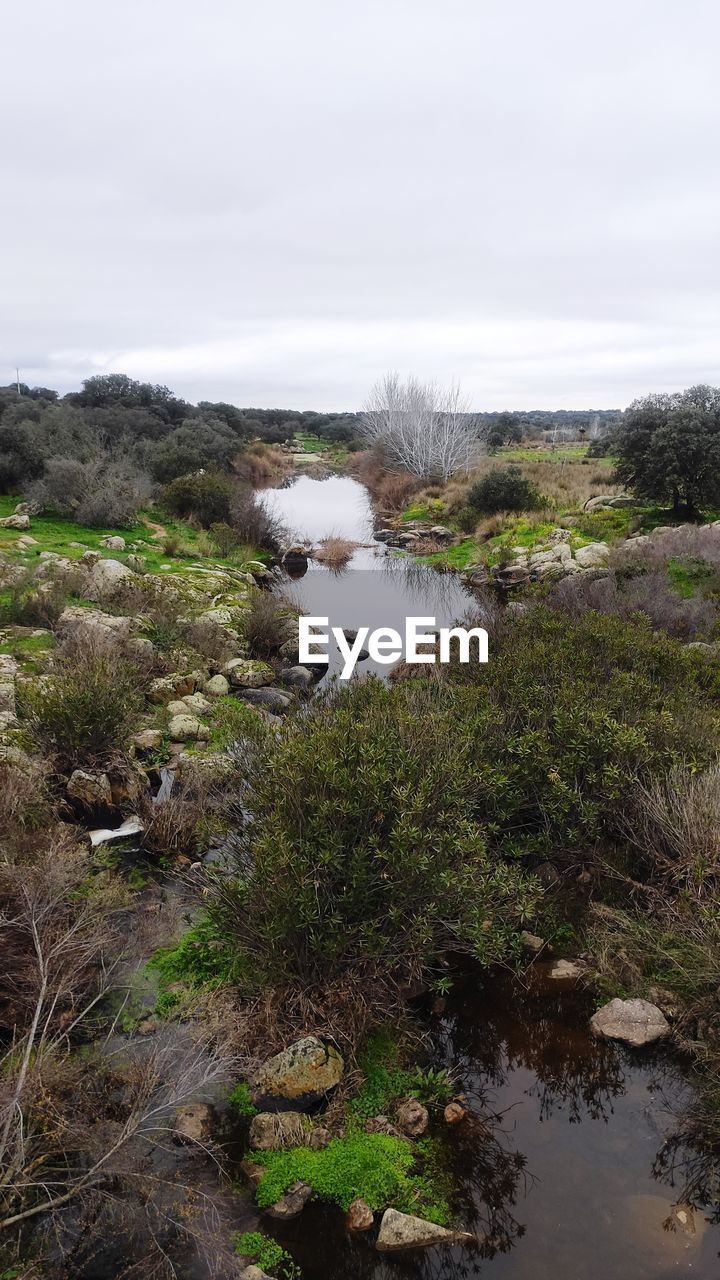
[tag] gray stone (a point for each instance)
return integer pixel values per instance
(405, 1231)
(297, 678)
(245, 673)
(194, 1122)
(292, 1203)
(635, 1022)
(15, 522)
(187, 728)
(113, 543)
(90, 788)
(106, 578)
(565, 971)
(593, 556)
(412, 1118)
(217, 687)
(272, 700)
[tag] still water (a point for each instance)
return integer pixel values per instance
(581, 1177)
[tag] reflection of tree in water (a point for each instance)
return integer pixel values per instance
(689, 1158)
(492, 1032)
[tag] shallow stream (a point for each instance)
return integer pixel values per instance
(581, 1183)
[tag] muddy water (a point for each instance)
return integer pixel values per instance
(576, 1184)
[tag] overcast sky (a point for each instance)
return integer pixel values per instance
(274, 203)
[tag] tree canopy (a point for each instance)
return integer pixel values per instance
(668, 448)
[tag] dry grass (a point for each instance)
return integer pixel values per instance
(675, 822)
(262, 464)
(336, 553)
(391, 490)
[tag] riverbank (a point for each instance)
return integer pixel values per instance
(483, 817)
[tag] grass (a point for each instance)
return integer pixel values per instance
(266, 1254)
(386, 1080)
(431, 509)
(310, 442)
(379, 1168)
(460, 556)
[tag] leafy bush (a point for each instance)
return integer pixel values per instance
(386, 1080)
(364, 847)
(206, 495)
(240, 1100)
(503, 489)
(226, 539)
(88, 707)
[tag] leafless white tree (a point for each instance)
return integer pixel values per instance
(426, 429)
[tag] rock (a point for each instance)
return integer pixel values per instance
(319, 1139)
(531, 942)
(594, 556)
(254, 1273)
(137, 564)
(299, 1076)
(454, 1113)
(91, 788)
(106, 579)
(194, 1122)
(547, 874)
(441, 532)
(274, 1130)
(167, 688)
(113, 543)
(15, 522)
(177, 707)
(76, 619)
(246, 673)
(292, 1203)
(565, 971)
(186, 728)
(197, 704)
(297, 678)
(405, 1231)
(412, 1118)
(147, 741)
(217, 687)
(635, 1022)
(359, 1216)
(127, 786)
(26, 541)
(273, 700)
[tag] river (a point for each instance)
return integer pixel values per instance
(580, 1183)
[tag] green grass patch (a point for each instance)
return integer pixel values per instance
(240, 1100)
(232, 721)
(372, 1165)
(431, 509)
(460, 556)
(310, 442)
(690, 576)
(199, 959)
(387, 1080)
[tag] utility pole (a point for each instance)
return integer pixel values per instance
(17, 379)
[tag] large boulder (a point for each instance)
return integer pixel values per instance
(167, 688)
(246, 673)
(405, 1231)
(15, 522)
(92, 621)
(106, 579)
(113, 542)
(187, 728)
(593, 556)
(8, 672)
(298, 1077)
(634, 1022)
(91, 788)
(272, 700)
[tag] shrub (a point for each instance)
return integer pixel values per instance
(253, 523)
(266, 1254)
(627, 594)
(206, 495)
(226, 539)
(336, 553)
(364, 849)
(265, 624)
(503, 489)
(104, 493)
(89, 705)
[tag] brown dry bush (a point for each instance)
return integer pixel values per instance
(674, 822)
(24, 803)
(335, 552)
(688, 542)
(390, 489)
(260, 465)
(181, 824)
(266, 624)
(643, 593)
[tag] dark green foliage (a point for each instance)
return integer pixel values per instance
(386, 1081)
(88, 708)
(668, 448)
(503, 489)
(205, 495)
(365, 849)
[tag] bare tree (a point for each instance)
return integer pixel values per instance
(426, 429)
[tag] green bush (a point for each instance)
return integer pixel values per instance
(364, 848)
(88, 707)
(206, 495)
(504, 489)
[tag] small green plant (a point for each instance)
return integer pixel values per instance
(266, 1254)
(199, 959)
(431, 1085)
(240, 1100)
